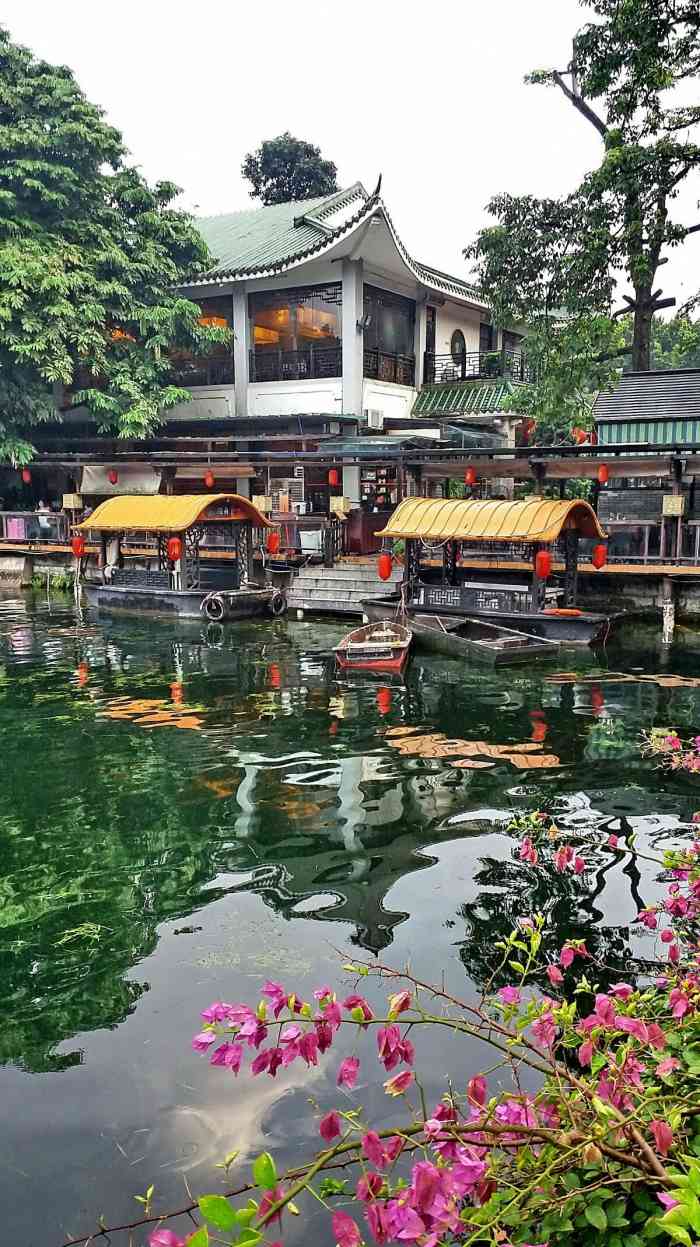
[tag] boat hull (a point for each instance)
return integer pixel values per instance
(380, 648)
(378, 666)
(474, 639)
(586, 628)
(174, 604)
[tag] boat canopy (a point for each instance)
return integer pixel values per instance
(162, 513)
(464, 519)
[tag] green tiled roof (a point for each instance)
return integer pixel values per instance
(268, 240)
(466, 398)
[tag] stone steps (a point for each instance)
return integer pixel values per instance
(340, 589)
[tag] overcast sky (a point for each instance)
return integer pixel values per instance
(429, 94)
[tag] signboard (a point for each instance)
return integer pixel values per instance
(674, 504)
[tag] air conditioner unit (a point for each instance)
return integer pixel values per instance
(375, 419)
(300, 508)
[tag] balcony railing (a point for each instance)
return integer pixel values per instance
(312, 362)
(40, 526)
(384, 366)
(212, 371)
(474, 365)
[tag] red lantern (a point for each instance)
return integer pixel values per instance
(603, 474)
(539, 731)
(77, 545)
(383, 700)
(83, 673)
(334, 477)
(112, 476)
(384, 566)
(273, 542)
(174, 549)
(543, 564)
(209, 479)
(599, 556)
(470, 476)
(26, 476)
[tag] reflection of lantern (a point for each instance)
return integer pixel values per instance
(113, 476)
(543, 564)
(174, 549)
(603, 474)
(177, 692)
(26, 476)
(470, 476)
(333, 727)
(597, 698)
(209, 478)
(77, 545)
(273, 542)
(274, 675)
(334, 477)
(383, 700)
(83, 673)
(599, 556)
(384, 566)
(539, 731)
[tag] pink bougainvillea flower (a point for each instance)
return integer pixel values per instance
(329, 1126)
(308, 1047)
(400, 1002)
(696, 817)
(323, 993)
(585, 1053)
(579, 865)
(359, 1002)
(528, 852)
(261, 1062)
(268, 1201)
(347, 1074)
(563, 857)
(324, 1036)
(345, 1230)
(621, 991)
(369, 1186)
(612, 842)
(663, 1136)
(544, 1029)
(476, 1090)
(570, 950)
(667, 1066)
(555, 975)
(378, 1221)
(632, 1026)
(203, 1041)
(373, 1149)
(657, 1039)
(674, 954)
(399, 1083)
(649, 918)
(389, 1046)
(667, 1201)
(510, 995)
(228, 1054)
(666, 936)
(165, 1238)
(218, 1012)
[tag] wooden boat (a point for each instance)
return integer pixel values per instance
(382, 647)
(476, 639)
(570, 627)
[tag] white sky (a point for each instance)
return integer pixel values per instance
(429, 94)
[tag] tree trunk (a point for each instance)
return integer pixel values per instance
(641, 338)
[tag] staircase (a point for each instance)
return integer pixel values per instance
(339, 590)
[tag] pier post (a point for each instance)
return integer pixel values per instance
(668, 611)
(27, 571)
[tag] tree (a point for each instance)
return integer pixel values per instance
(555, 262)
(90, 258)
(676, 343)
(286, 169)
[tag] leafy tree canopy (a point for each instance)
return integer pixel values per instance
(286, 169)
(90, 258)
(555, 263)
(676, 343)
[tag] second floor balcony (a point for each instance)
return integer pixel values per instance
(474, 365)
(310, 363)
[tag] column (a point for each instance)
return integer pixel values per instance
(353, 338)
(351, 484)
(419, 339)
(241, 347)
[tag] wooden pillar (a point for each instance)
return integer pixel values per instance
(571, 566)
(668, 610)
(539, 471)
(539, 586)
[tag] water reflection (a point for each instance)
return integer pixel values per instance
(149, 772)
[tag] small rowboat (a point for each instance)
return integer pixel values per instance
(381, 647)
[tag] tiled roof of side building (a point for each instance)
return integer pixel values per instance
(671, 394)
(463, 398)
(258, 242)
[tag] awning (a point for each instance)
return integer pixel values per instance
(170, 514)
(220, 471)
(462, 519)
(131, 478)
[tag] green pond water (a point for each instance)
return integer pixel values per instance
(185, 812)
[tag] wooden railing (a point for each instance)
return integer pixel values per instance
(37, 526)
(312, 362)
(385, 366)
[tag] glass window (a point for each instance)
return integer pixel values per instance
(216, 367)
(485, 337)
(296, 333)
(390, 323)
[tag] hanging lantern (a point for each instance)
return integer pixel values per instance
(599, 556)
(26, 476)
(384, 566)
(273, 542)
(113, 476)
(603, 474)
(383, 700)
(470, 476)
(77, 545)
(174, 549)
(334, 477)
(209, 479)
(543, 564)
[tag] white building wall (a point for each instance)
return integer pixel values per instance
(209, 402)
(390, 400)
(454, 316)
(289, 398)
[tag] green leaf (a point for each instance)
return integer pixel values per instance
(595, 1215)
(250, 1238)
(264, 1171)
(517, 966)
(218, 1212)
(200, 1238)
